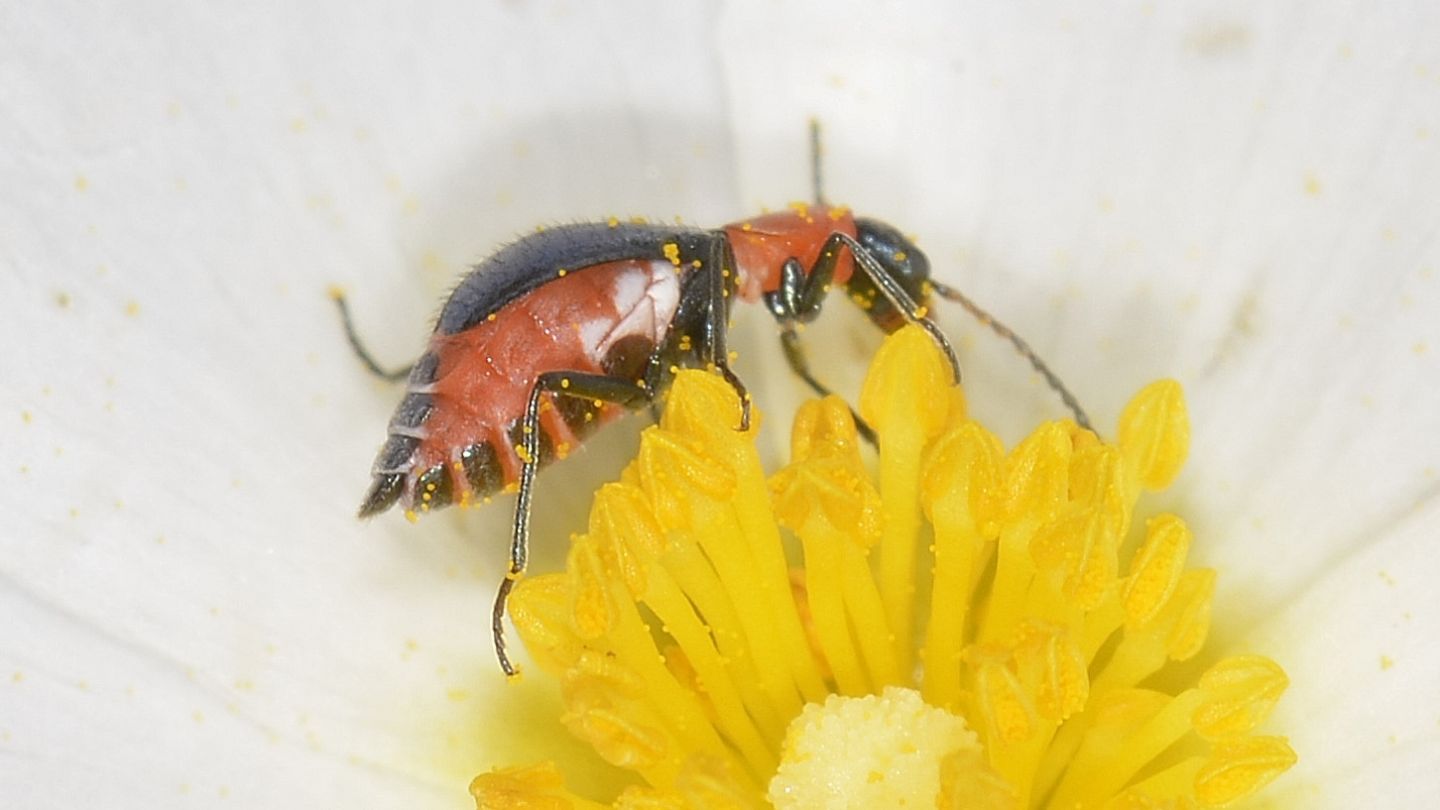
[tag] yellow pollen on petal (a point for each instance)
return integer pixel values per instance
(953, 624)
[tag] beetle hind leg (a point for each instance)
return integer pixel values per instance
(592, 387)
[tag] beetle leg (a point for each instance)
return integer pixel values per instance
(720, 270)
(824, 270)
(795, 357)
(558, 383)
(359, 348)
(798, 301)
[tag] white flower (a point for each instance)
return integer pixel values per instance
(1242, 198)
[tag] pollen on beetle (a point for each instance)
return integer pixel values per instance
(613, 222)
(696, 263)
(747, 227)
(901, 256)
(561, 273)
(671, 252)
(957, 624)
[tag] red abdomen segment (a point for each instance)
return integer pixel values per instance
(606, 319)
(763, 243)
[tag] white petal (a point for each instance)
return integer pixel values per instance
(1239, 196)
(1359, 644)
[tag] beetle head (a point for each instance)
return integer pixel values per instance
(901, 260)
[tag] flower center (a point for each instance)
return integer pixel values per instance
(1001, 635)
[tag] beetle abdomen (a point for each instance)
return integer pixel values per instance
(454, 436)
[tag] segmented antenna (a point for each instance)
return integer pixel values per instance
(816, 154)
(1051, 379)
(366, 359)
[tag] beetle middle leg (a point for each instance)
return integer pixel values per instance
(797, 301)
(597, 387)
(795, 357)
(720, 273)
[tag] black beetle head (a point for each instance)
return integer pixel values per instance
(901, 260)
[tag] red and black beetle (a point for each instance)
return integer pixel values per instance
(562, 330)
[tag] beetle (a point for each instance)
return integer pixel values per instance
(568, 327)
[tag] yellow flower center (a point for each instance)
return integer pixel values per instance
(965, 627)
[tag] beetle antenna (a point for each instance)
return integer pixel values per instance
(816, 153)
(1051, 379)
(361, 352)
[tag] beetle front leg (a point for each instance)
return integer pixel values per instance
(597, 387)
(893, 292)
(797, 301)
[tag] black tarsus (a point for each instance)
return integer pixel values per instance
(359, 348)
(1051, 379)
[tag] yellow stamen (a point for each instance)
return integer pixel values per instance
(686, 645)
